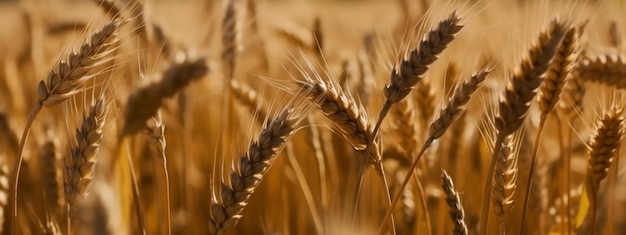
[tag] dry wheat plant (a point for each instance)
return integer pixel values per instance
(312, 117)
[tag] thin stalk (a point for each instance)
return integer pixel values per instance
(424, 205)
(564, 186)
(542, 121)
(398, 195)
(18, 165)
(488, 181)
(304, 186)
(166, 193)
(568, 175)
(612, 200)
(135, 189)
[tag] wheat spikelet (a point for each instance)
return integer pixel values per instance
(550, 90)
(145, 102)
(604, 69)
(455, 106)
(408, 72)
(80, 163)
(229, 202)
(603, 144)
(521, 89)
(457, 214)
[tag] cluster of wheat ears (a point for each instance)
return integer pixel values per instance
(307, 117)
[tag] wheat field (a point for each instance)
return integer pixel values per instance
(312, 117)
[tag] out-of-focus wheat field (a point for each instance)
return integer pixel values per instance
(270, 117)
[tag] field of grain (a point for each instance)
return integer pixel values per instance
(312, 117)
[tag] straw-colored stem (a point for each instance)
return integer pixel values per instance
(18, 166)
(406, 180)
(124, 149)
(484, 219)
(533, 162)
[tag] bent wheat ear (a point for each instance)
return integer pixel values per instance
(229, 202)
(408, 72)
(145, 102)
(605, 69)
(69, 75)
(349, 117)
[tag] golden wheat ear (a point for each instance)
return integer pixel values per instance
(80, 163)
(145, 102)
(520, 91)
(457, 213)
(604, 69)
(235, 191)
(66, 78)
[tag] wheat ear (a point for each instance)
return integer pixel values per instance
(603, 144)
(520, 91)
(64, 80)
(548, 96)
(349, 117)
(405, 126)
(80, 163)
(505, 181)
(52, 175)
(145, 102)
(457, 214)
(604, 69)
(234, 193)
(453, 109)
